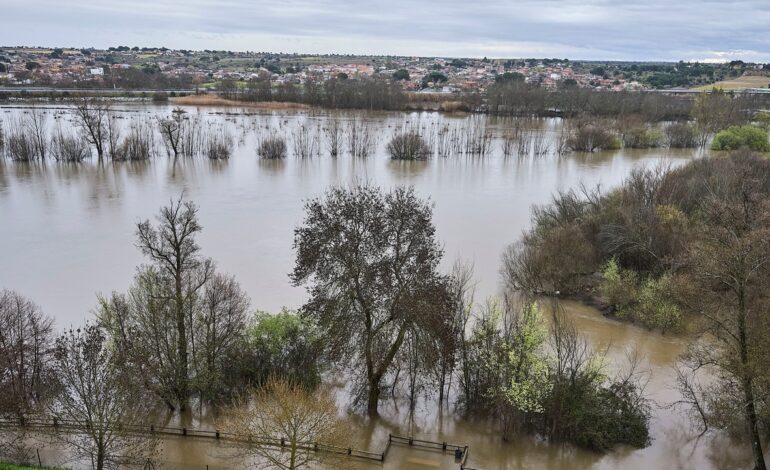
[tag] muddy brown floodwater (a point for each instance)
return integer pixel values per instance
(66, 234)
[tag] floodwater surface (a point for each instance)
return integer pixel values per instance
(67, 234)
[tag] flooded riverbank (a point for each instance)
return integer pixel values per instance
(68, 234)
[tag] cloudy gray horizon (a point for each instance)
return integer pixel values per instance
(648, 30)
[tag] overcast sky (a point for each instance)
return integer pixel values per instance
(575, 29)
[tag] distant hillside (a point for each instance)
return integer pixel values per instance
(739, 83)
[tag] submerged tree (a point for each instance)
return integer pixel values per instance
(731, 274)
(100, 399)
(93, 116)
(174, 252)
(370, 260)
(180, 318)
(26, 381)
(286, 425)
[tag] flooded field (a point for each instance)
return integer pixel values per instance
(67, 234)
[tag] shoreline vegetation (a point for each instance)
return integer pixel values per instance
(719, 121)
(687, 248)
(514, 98)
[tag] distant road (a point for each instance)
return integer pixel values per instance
(100, 91)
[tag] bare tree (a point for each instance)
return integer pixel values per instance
(27, 381)
(35, 123)
(175, 254)
(306, 141)
(181, 321)
(100, 405)
(731, 271)
(287, 425)
(171, 132)
(361, 138)
(92, 116)
(218, 326)
(334, 136)
(25, 340)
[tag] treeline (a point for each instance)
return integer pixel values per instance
(668, 245)
(335, 93)
(380, 312)
(522, 99)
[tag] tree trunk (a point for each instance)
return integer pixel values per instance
(751, 413)
(374, 397)
(751, 418)
(100, 459)
(182, 389)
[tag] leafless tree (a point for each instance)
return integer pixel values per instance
(218, 325)
(171, 132)
(180, 321)
(287, 425)
(361, 138)
(731, 271)
(175, 255)
(100, 405)
(35, 123)
(27, 381)
(25, 342)
(334, 133)
(68, 147)
(92, 116)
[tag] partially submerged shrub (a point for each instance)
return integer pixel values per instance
(589, 137)
(219, 145)
(334, 134)
(69, 147)
(306, 142)
(736, 137)
(477, 139)
(643, 138)
(361, 138)
(20, 147)
(272, 147)
(137, 145)
(618, 286)
(655, 307)
(652, 303)
(408, 145)
(681, 135)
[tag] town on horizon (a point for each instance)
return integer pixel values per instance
(136, 67)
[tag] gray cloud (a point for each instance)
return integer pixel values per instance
(586, 29)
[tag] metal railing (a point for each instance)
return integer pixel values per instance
(47, 423)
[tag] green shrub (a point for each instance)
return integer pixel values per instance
(736, 137)
(618, 286)
(655, 307)
(651, 304)
(286, 345)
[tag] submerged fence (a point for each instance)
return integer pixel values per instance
(53, 424)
